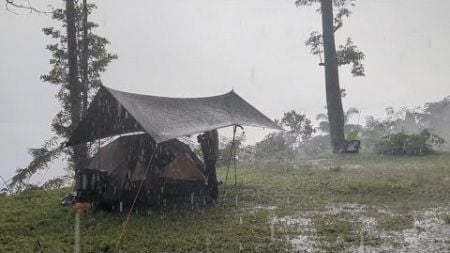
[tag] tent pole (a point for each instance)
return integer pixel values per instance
(232, 154)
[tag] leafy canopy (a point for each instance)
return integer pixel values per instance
(348, 53)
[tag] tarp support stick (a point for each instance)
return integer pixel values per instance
(232, 156)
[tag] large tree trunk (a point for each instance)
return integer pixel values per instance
(85, 59)
(333, 92)
(74, 84)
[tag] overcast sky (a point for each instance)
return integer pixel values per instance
(190, 48)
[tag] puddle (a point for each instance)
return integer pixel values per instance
(289, 221)
(429, 234)
(304, 242)
(257, 208)
(349, 208)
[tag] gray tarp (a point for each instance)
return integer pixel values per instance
(114, 112)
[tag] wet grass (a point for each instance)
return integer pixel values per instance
(396, 223)
(34, 222)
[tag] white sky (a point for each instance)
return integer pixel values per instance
(208, 47)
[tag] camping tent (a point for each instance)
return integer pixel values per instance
(162, 120)
(124, 161)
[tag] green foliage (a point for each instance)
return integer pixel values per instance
(353, 135)
(318, 145)
(298, 125)
(436, 117)
(41, 159)
(433, 117)
(99, 59)
(275, 146)
(55, 183)
(408, 144)
(280, 145)
(242, 152)
(350, 54)
(347, 54)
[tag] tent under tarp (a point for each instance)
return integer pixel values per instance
(115, 112)
(125, 163)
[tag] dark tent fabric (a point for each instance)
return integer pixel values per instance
(125, 162)
(114, 112)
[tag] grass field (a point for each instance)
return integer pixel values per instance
(335, 204)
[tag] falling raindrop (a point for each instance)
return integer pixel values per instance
(272, 230)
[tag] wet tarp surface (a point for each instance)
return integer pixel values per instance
(114, 112)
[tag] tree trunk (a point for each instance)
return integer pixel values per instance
(333, 92)
(209, 142)
(74, 85)
(85, 59)
(85, 75)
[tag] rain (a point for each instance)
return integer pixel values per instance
(301, 126)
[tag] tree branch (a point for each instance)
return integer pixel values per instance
(28, 6)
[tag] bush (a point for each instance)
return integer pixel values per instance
(408, 144)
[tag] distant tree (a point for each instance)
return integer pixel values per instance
(324, 44)
(226, 147)
(285, 144)
(403, 123)
(274, 146)
(77, 83)
(436, 117)
(298, 125)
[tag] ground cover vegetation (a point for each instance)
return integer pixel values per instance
(331, 204)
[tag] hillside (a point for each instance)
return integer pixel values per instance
(341, 204)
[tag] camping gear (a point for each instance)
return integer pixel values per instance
(115, 171)
(351, 147)
(153, 162)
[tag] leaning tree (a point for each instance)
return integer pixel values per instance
(323, 45)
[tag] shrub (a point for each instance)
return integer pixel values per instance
(409, 144)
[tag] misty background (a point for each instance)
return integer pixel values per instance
(203, 48)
